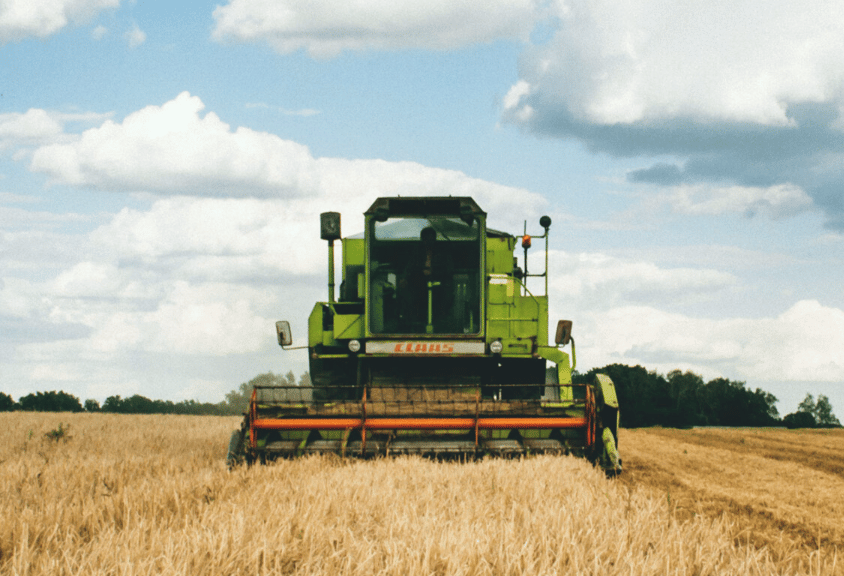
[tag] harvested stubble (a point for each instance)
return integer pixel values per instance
(783, 489)
(150, 495)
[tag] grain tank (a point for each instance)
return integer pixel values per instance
(438, 344)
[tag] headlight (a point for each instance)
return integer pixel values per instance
(496, 347)
(354, 346)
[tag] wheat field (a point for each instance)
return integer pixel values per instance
(125, 495)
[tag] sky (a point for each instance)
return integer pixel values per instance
(163, 166)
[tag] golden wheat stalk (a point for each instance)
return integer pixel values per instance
(151, 495)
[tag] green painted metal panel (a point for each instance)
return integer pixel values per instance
(353, 252)
(315, 325)
(316, 334)
(607, 390)
(500, 255)
(610, 450)
(561, 359)
(354, 255)
(348, 326)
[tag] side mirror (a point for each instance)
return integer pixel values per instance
(563, 332)
(285, 337)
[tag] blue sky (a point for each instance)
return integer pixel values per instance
(163, 166)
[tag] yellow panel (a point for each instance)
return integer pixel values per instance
(348, 326)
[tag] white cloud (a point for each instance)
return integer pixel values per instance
(648, 61)
(656, 338)
(135, 36)
(801, 344)
(194, 276)
(87, 279)
(173, 150)
(354, 184)
(747, 93)
(20, 299)
(778, 201)
(230, 239)
(30, 128)
(242, 240)
(325, 28)
(809, 338)
(587, 280)
(512, 102)
(20, 19)
(37, 127)
(190, 275)
(132, 310)
(630, 311)
(209, 319)
(99, 32)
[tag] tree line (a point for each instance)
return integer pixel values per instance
(683, 399)
(234, 403)
(61, 401)
(679, 399)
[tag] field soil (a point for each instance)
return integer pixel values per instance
(99, 494)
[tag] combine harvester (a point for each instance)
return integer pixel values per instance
(435, 347)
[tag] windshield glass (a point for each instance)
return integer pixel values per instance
(411, 229)
(425, 276)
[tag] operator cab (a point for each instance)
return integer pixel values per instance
(425, 262)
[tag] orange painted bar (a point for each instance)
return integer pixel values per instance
(485, 423)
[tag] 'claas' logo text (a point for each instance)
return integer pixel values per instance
(424, 348)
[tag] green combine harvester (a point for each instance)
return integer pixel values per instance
(434, 347)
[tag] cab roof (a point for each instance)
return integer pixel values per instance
(425, 206)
